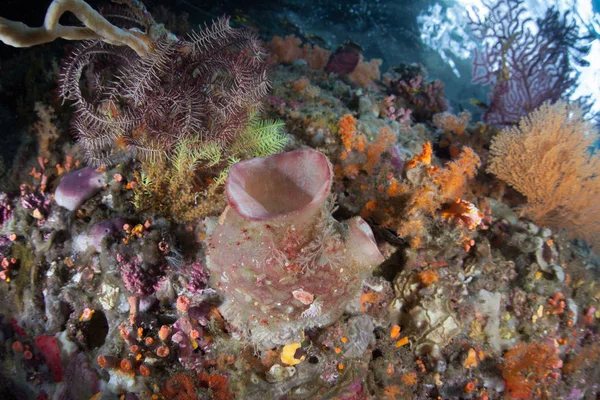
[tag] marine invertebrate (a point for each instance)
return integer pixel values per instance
(37, 201)
(138, 278)
(529, 367)
(187, 109)
(406, 203)
(464, 213)
(97, 233)
(194, 91)
(287, 50)
(197, 277)
(348, 133)
(359, 153)
(547, 159)
(366, 73)
(277, 236)
(18, 34)
(413, 92)
(385, 140)
(218, 385)
(180, 387)
(6, 208)
(451, 123)
(388, 110)
(344, 59)
(76, 187)
(167, 187)
(45, 129)
(525, 66)
(426, 320)
(48, 347)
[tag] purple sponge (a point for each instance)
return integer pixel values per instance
(102, 229)
(78, 186)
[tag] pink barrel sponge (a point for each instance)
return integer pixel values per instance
(281, 261)
(76, 187)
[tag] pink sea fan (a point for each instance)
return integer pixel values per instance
(526, 63)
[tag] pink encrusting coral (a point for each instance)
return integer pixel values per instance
(276, 239)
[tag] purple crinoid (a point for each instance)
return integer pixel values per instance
(195, 90)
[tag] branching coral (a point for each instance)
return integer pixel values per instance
(96, 27)
(524, 67)
(547, 158)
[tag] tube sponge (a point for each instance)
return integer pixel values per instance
(76, 187)
(281, 261)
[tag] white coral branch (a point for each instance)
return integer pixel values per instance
(17, 34)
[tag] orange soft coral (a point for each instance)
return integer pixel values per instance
(423, 158)
(285, 50)
(364, 155)
(300, 84)
(384, 141)
(451, 123)
(393, 188)
(411, 202)
(465, 213)
(528, 368)
(315, 56)
(366, 72)
(347, 131)
(45, 129)
(454, 177)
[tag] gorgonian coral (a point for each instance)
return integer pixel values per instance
(193, 91)
(547, 159)
(526, 62)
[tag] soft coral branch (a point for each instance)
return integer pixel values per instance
(18, 34)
